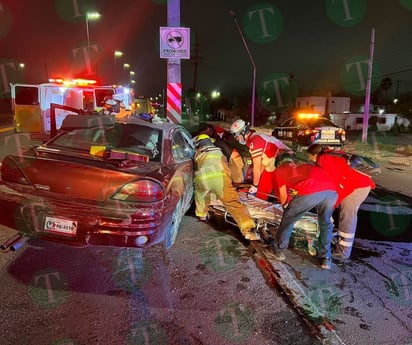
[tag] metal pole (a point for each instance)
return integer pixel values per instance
(87, 30)
(368, 90)
(252, 119)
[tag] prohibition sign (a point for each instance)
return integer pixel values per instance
(174, 39)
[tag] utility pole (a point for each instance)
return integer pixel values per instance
(252, 61)
(368, 89)
(173, 65)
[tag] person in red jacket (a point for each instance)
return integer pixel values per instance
(353, 188)
(300, 187)
(263, 149)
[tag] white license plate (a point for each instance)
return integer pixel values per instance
(328, 134)
(60, 226)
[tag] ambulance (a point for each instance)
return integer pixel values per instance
(31, 102)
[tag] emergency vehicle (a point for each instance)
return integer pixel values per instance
(31, 102)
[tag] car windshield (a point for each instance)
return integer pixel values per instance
(128, 137)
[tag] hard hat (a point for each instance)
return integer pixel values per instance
(285, 157)
(203, 140)
(239, 127)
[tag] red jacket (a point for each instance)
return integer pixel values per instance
(347, 178)
(302, 178)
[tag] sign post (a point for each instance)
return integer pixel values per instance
(174, 45)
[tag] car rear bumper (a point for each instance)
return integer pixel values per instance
(80, 225)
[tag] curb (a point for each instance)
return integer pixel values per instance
(277, 273)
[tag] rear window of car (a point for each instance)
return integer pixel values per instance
(128, 137)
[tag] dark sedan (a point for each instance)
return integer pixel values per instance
(306, 129)
(101, 182)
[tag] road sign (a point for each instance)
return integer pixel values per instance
(174, 43)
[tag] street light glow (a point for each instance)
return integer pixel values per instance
(118, 53)
(90, 16)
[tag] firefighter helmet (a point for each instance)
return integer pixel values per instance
(239, 127)
(203, 140)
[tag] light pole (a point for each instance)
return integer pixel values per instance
(252, 120)
(90, 16)
(131, 74)
(117, 53)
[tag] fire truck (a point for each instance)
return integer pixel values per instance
(31, 102)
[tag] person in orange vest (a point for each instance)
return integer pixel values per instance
(263, 149)
(212, 176)
(353, 188)
(300, 187)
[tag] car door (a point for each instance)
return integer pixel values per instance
(183, 152)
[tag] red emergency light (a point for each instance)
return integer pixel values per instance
(73, 82)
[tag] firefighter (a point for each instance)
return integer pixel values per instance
(226, 142)
(353, 188)
(301, 187)
(263, 149)
(212, 176)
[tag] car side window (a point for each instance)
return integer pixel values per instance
(182, 149)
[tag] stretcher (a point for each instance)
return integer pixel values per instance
(267, 216)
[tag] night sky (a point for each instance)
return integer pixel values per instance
(319, 46)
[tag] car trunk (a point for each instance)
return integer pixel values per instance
(74, 177)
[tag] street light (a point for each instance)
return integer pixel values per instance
(90, 16)
(125, 66)
(117, 53)
(253, 64)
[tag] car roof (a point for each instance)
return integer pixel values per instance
(316, 120)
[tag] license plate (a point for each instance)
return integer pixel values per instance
(328, 134)
(60, 226)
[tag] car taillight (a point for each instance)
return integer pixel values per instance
(141, 191)
(308, 132)
(10, 172)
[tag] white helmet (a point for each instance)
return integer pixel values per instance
(239, 127)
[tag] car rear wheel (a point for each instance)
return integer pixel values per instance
(174, 225)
